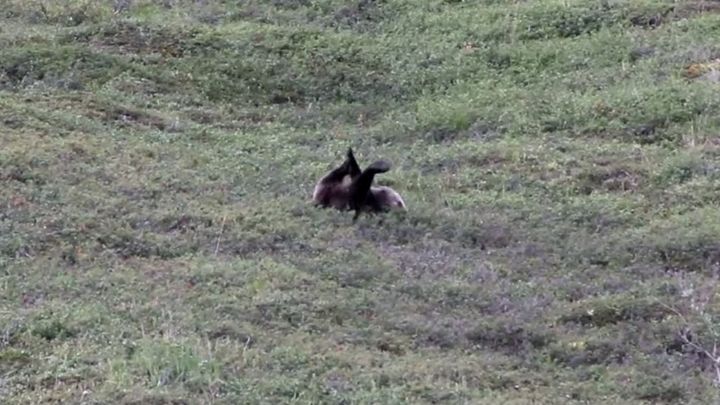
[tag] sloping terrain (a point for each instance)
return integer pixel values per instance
(560, 162)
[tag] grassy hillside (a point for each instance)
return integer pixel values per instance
(560, 161)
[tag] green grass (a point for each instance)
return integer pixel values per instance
(559, 160)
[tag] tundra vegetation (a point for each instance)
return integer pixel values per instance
(559, 160)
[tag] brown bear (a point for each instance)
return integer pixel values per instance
(347, 187)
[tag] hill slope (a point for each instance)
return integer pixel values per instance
(559, 160)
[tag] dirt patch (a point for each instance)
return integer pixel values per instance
(232, 332)
(709, 70)
(129, 37)
(125, 116)
(616, 179)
